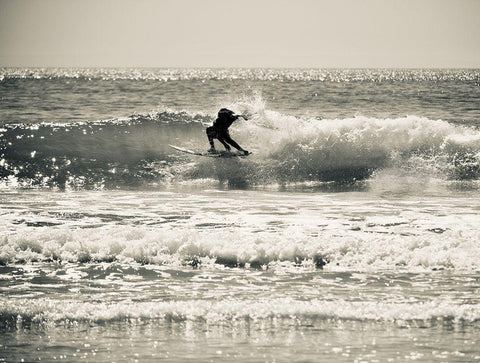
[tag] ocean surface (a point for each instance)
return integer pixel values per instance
(351, 234)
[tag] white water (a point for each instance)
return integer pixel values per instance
(354, 230)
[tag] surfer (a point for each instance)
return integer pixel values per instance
(219, 131)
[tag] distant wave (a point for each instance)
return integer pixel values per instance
(134, 151)
(261, 74)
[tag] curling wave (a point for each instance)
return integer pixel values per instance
(134, 151)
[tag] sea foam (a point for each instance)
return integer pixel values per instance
(363, 245)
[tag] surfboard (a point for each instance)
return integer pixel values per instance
(218, 154)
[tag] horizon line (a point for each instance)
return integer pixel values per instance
(232, 67)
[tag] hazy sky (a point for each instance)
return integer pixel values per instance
(240, 33)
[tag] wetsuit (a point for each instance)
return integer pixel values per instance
(219, 131)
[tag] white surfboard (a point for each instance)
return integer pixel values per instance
(218, 154)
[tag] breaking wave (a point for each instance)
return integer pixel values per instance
(134, 151)
(24, 312)
(337, 247)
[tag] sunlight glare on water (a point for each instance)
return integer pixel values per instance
(349, 234)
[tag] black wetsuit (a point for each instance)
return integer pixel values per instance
(219, 131)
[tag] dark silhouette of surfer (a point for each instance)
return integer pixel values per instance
(219, 130)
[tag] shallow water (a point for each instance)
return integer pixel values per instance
(283, 276)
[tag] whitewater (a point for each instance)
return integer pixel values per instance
(350, 234)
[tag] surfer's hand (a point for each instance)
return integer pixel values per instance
(244, 117)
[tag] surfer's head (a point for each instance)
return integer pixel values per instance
(225, 112)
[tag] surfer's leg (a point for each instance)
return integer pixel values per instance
(211, 134)
(220, 138)
(223, 136)
(232, 142)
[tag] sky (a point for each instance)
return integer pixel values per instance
(240, 33)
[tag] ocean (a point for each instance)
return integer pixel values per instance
(351, 234)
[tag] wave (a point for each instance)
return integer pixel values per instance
(23, 312)
(110, 153)
(379, 247)
(134, 151)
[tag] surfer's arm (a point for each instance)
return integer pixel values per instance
(242, 116)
